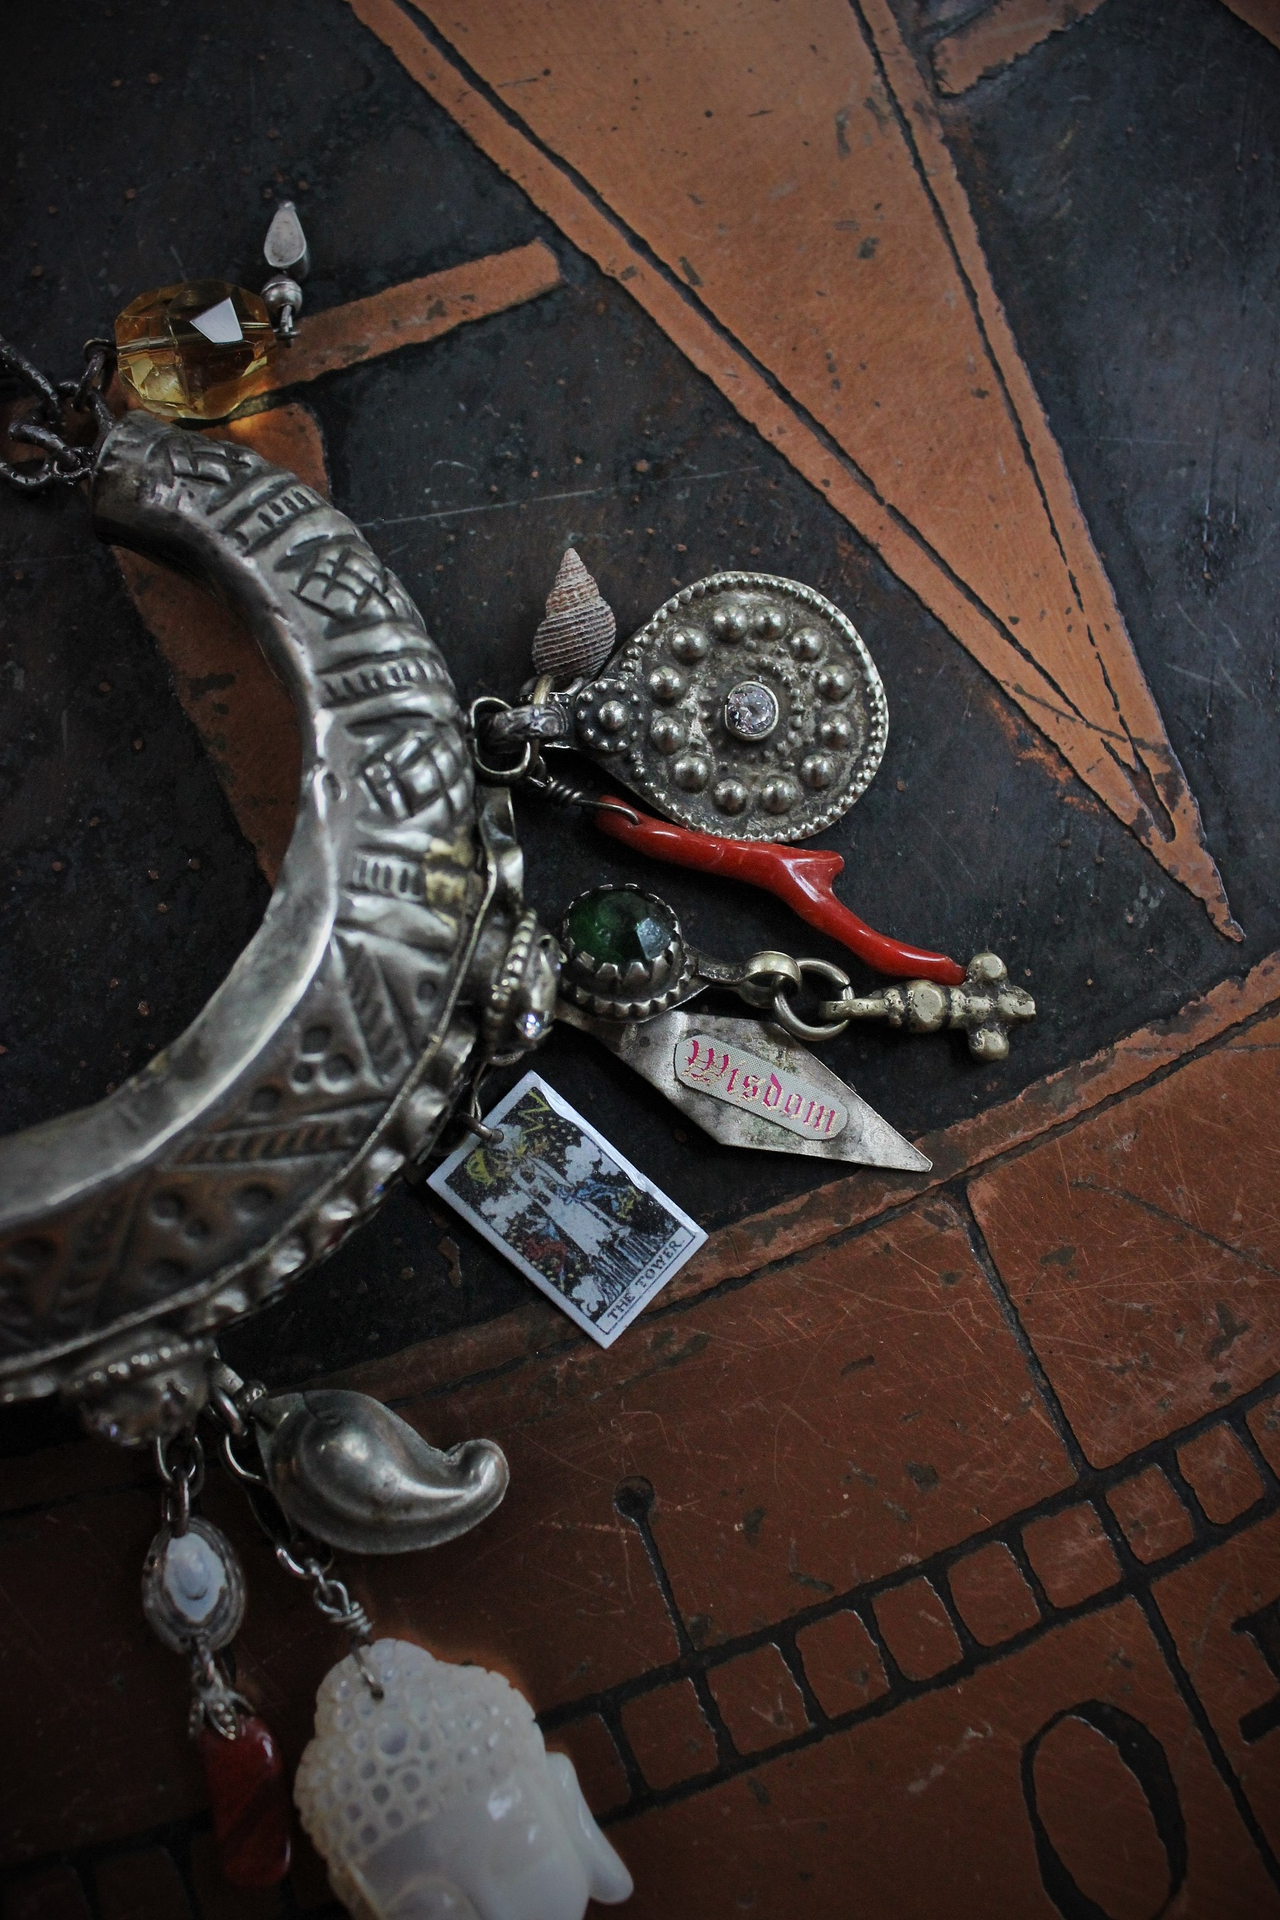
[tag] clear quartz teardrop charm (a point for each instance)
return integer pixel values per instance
(440, 1799)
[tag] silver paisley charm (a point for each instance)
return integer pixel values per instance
(345, 1468)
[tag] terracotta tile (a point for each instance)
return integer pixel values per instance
(590, 1612)
(590, 1746)
(798, 1435)
(1001, 34)
(141, 1886)
(1260, 15)
(1264, 1425)
(52, 1895)
(889, 377)
(1071, 1555)
(991, 1596)
(1234, 1666)
(1222, 1475)
(669, 1734)
(418, 310)
(1154, 1519)
(916, 1629)
(882, 1819)
(760, 1701)
(1141, 1248)
(841, 1663)
(810, 1218)
(77, 1649)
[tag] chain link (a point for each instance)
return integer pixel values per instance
(65, 461)
(180, 1464)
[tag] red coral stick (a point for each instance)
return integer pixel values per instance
(803, 879)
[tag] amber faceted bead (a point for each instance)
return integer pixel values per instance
(249, 1801)
(195, 351)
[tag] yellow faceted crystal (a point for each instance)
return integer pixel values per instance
(195, 351)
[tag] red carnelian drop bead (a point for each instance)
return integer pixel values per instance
(249, 1802)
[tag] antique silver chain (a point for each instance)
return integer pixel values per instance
(42, 421)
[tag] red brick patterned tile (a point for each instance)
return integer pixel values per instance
(590, 1612)
(1071, 1555)
(1264, 1425)
(1234, 1668)
(1154, 1520)
(882, 1820)
(991, 1596)
(795, 1433)
(760, 1701)
(589, 1744)
(54, 1895)
(841, 1663)
(916, 1629)
(1142, 1248)
(1221, 1473)
(140, 1886)
(83, 1667)
(669, 1734)
(801, 1434)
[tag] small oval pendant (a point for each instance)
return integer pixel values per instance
(193, 1587)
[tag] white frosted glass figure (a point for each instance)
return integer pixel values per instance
(441, 1802)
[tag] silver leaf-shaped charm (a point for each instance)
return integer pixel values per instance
(348, 1470)
(748, 1084)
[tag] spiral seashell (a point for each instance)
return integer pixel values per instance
(577, 635)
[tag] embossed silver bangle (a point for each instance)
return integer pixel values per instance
(395, 959)
(333, 1052)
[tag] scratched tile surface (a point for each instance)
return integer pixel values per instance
(921, 1541)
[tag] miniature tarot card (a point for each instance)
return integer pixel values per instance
(568, 1210)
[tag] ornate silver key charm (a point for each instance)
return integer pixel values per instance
(628, 967)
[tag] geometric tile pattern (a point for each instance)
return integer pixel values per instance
(766, 1570)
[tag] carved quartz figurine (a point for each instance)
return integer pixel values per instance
(441, 1802)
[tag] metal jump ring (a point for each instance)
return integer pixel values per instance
(189, 1472)
(804, 1029)
(498, 776)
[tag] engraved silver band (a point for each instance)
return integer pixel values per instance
(252, 1145)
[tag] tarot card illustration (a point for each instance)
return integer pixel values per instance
(567, 1209)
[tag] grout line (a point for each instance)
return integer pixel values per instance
(1136, 1579)
(1013, 1320)
(1208, 1733)
(996, 1158)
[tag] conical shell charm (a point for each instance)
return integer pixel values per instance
(577, 635)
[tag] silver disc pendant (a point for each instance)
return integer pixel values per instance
(747, 706)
